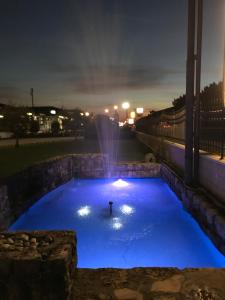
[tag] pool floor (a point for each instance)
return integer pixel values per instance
(148, 226)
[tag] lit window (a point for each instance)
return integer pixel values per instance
(130, 121)
(133, 115)
(140, 110)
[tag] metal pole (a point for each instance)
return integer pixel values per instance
(198, 89)
(32, 97)
(190, 78)
(223, 108)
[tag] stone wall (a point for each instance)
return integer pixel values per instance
(201, 205)
(136, 170)
(20, 191)
(149, 284)
(42, 265)
(37, 265)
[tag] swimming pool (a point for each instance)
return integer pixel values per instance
(148, 226)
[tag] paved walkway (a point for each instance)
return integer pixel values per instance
(149, 284)
(11, 142)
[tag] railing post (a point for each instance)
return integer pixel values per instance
(222, 132)
(198, 90)
(190, 78)
(222, 144)
(223, 109)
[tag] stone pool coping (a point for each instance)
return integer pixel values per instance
(149, 284)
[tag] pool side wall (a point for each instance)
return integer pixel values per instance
(22, 190)
(201, 205)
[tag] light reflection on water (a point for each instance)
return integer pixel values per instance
(148, 226)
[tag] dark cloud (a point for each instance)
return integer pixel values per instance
(12, 95)
(72, 49)
(104, 79)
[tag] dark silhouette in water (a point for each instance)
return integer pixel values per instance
(110, 208)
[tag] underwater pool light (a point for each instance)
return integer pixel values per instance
(126, 209)
(120, 183)
(117, 225)
(84, 211)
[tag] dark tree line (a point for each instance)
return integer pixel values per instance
(211, 98)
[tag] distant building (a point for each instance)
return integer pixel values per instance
(4, 132)
(46, 115)
(50, 119)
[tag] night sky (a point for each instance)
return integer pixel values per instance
(96, 53)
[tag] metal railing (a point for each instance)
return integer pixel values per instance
(170, 123)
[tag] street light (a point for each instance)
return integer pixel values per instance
(1, 116)
(87, 114)
(126, 106)
(106, 111)
(115, 107)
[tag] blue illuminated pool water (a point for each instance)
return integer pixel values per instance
(148, 227)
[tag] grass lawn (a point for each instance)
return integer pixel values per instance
(14, 159)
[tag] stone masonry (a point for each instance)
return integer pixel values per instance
(149, 284)
(37, 265)
(200, 205)
(42, 264)
(21, 190)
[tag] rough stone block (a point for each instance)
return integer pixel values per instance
(196, 202)
(220, 227)
(37, 265)
(185, 200)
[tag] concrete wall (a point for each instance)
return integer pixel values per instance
(211, 169)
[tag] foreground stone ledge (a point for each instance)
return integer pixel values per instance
(149, 284)
(37, 265)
